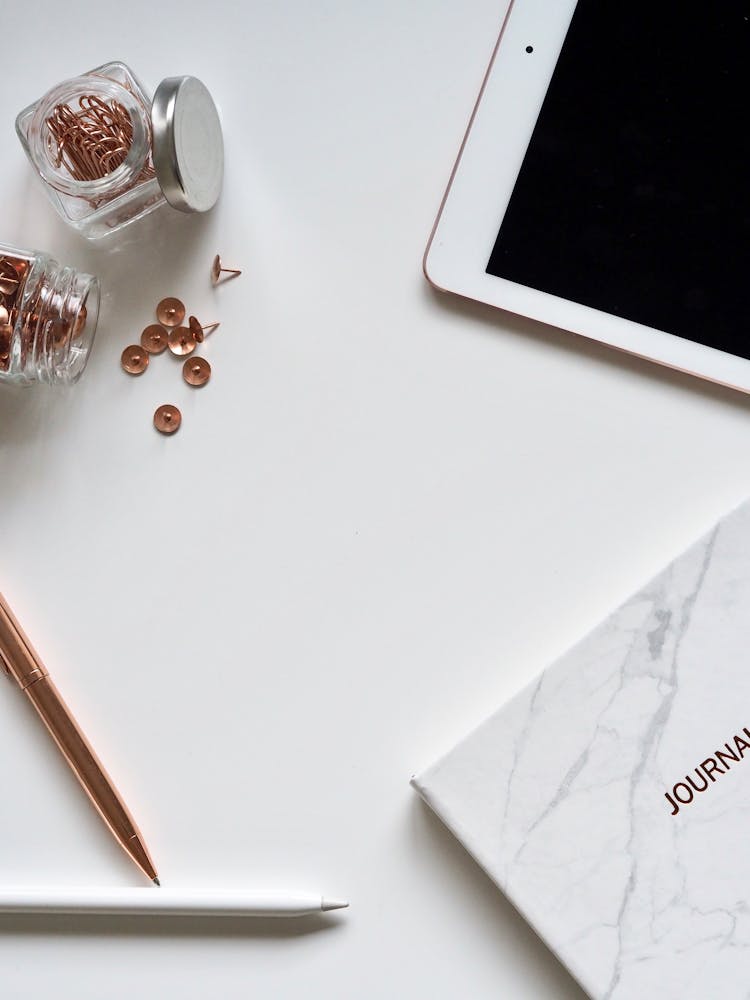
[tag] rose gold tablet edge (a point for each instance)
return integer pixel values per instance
(461, 150)
(605, 343)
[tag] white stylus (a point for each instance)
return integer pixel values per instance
(164, 902)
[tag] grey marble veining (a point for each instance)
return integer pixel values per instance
(596, 799)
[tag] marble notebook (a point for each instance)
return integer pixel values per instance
(610, 799)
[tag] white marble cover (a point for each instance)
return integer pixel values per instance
(560, 796)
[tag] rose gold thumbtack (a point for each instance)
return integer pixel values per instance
(154, 339)
(170, 312)
(59, 332)
(196, 371)
(200, 332)
(9, 279)
(167, 419)
(6, 332)
(181, 341)
(217, 269)
(5, 316)
(134, 359)
(81, 320)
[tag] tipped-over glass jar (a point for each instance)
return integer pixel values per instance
(48, 317)
(108, 154)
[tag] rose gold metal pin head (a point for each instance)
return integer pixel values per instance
(8, 277)
(181, 341)
(6, 332)
(196, 371)
(200, 332)
(167, 419)
(58, 333)
(81, 319)
(217, 269)
(134, 359)
(170, 312)
(154, 339)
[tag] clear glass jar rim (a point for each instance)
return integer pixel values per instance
(71, 90)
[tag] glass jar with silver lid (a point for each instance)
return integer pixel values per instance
(108, 154)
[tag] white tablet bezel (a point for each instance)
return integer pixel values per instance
(482, 182)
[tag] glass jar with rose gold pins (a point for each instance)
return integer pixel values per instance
(48, 317)
(109, 154)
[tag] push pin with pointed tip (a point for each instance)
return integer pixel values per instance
(167, 419)
(154, 339)
(196, 371)
(134, 359)
(181, 341)
(217, 269)
(170, 311)
(200, 332)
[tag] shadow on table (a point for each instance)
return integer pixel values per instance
(477, 891)
(158, 926)
(498, 322)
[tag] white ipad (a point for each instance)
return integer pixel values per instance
(603, 185)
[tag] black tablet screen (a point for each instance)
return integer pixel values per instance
(634, 194)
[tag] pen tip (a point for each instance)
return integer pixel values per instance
(157, 882)
(334, 904)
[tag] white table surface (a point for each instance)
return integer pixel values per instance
(385, 513)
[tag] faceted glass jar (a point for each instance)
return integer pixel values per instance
(99, 205)
(48, 316)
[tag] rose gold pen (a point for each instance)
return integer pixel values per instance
(22, 663)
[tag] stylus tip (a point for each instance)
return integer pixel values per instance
(157, 882)
(333, 904)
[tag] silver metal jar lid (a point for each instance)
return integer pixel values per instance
(188, 144)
